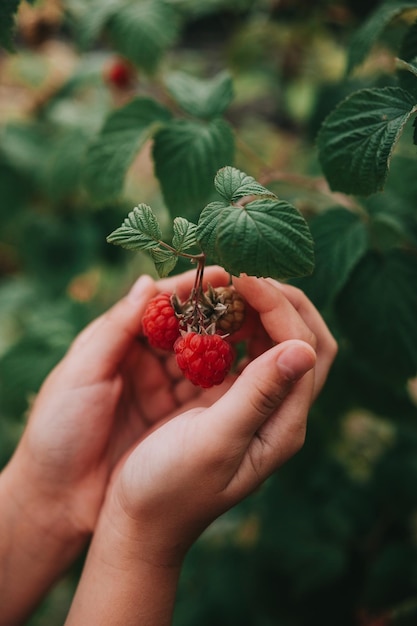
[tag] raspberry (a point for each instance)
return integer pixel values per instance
(119, 74)
(160, 324)
(229, 308)
(204, 359)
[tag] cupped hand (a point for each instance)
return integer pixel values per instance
(99, 401)
(195, 466)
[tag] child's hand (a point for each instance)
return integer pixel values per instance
(197, 465)
(100, 400)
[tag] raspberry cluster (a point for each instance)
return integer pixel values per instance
(196, 331)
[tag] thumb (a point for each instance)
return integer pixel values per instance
(98, 351)
(260, 391)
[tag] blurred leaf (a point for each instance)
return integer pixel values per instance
(232, 185)
(205, 99)
(8, 9)
(96, 15)
(340, 241)
(408, 48)
(187, 156)
(377, 310)
(262, 238)
(123, 134)
(142, 31)
(369, 32)
(357, 139)
(139, 231)
(64, 166)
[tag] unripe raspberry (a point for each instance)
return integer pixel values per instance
(231, 319)
(160, 324)
(204, 359)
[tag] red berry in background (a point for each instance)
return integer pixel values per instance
(204, 359)
(119, 74)
(160, 324)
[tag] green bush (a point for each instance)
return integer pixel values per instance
(107, 104)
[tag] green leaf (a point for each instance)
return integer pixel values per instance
(187, 156)
(184, 236)
(8, 9)
(377, 309)
(96, 15)
(142, 31)
(356, 140)
(139, 231)
(263, 238)
(232, 185)
(340, 241)
(165, 260)
(408, 48)
(366, 36)
(201, 98)
(123, 134)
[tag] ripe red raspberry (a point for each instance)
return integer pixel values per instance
(160, 324)
(204, 359)
(119, 74)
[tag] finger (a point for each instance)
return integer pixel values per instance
(257, 394)
(326, 347)
(183, 283)
(100, 349)
(279, 317)
(282, 320)
(275, 442)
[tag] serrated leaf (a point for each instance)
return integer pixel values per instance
(205, 99)
(142, 31)
(123, 134)
(8, 9)
(232, 185)
(356, 140)
(263, 238)
(369, 32)
(187, 156)
(377, 309)
(165, 260)
(139, 231)
(340, 241)
(184, 235)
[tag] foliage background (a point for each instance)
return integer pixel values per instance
(332, 538)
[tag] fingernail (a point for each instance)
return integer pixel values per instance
(139, 287)
(295, 360)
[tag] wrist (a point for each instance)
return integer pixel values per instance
(145, 538)
(28, 498)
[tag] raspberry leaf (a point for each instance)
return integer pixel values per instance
(205, 99)
(142, 31)
(123, 134)
(357, 139)
(139, 231)
(341, 239)
(165, 260)
(370, 31)
(232, 185)
(187, 156)
(262, 238)
(184, 236)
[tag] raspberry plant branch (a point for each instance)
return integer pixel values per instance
(248, 230)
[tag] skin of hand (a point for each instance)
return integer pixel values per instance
(194, 466)
(106, 393)
(100, 399)
(198, 464)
